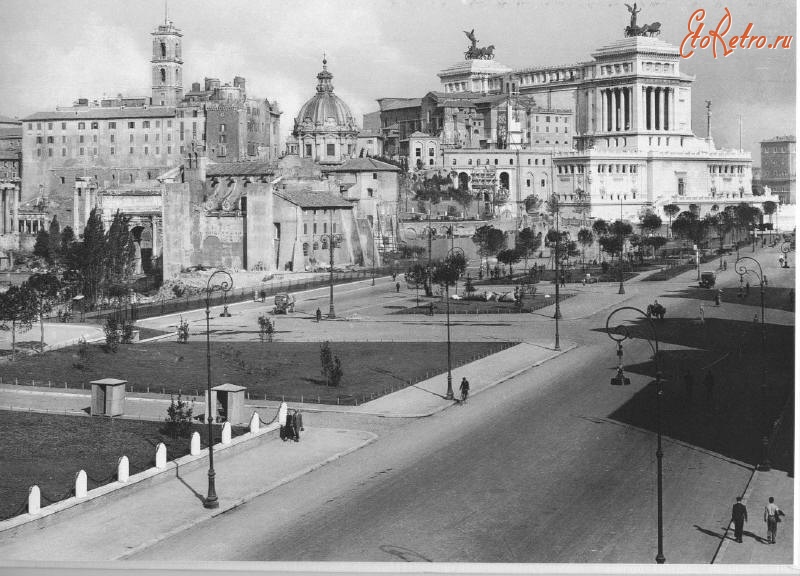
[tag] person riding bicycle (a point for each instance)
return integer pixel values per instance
(464, 389)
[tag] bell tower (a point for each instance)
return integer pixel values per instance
(167, 65)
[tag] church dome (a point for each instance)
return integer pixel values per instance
(325, 110)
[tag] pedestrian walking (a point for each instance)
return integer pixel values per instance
(738, 517)
(464, 388)
(318, 314)
(283, 416)
(297, 424)
(747, 289)
(708, 384)
(718, 297)
(724, 264)
(772, 515)
(430, 308)
(397, 287)
(394, 276)
(688, 385)
(702, 313)
(563, 281)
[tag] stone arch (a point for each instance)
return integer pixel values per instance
(505, 180)
(212, 251)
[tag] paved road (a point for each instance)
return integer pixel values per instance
(532, 471)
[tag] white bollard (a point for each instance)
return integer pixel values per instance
(226, 433)
(255, 422)
(194, 447)
(123, 469)
(34, 500)
(80, 484)
(161, 456)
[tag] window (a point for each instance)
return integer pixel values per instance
(63, 126)
(146, 150)
(330, 149)
(374, 175)
(528, 183)
(222, 138)
(81, 125)
(94, 151)
(30, 126)
(221, 128)
(63, 180)
(169, 149)
(131, 125)
(547, 118)
(38, 125)
(63, 152)
(112, 138)
(131, 150)
(111, 151)
(681, 187)
(324, 227)
(50, 152)
(49, 125)
(147, 137)
(370, 192)
(158, 123)
(81, 152)
(305, 246)
(453, 162)
(496, 162)
(130, 138)
(146, 124)
(169, 123)
(95, 125)
(315, 227)
(49, 139)
(511, 161)
(94, 138)
(431, 152)
(169, 136)
(38, 151)
(305, 228)
(418, 152)
(39, 139)
(308, 150)
(157, 151)
(163, 76)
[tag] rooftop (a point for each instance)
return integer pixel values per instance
(362, 165)
(308, 199)
(240, 169)
(104, 113)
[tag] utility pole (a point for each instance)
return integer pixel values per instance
(708, 119)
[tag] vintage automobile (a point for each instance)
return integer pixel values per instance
(708, 279)
(284, 303)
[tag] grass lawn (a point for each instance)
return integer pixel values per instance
(529, 304)
(289, 370)
(48, 450)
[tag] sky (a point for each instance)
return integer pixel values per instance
(55, 51)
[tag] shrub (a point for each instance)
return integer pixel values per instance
(179, 417)
(111, 330)
(331, 365)
(183, 331)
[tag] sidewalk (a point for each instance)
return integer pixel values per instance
(754, 549)
(116, 527)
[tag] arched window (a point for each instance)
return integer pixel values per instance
(163, 76)
(163, 50)
(324, 243)
(305, 248)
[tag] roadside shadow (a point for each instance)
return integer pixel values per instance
(755, 537)
(708, 532)
(192, 490)
(403, 554)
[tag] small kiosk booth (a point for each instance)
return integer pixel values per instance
(108, 397)
(227, 402)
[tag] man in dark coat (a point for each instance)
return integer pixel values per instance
(739, 517)
(297, 424)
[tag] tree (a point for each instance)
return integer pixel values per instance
(331, 365)
(179, 417)
(67, 247)
(446, 272)
(532, 204)
(583, 204)
(42, 246)
(509, 257)
(119, 251)
(17, 306)
(527, 243)
(489, 241)
(655, 242)
(54, 233)
(91, 255)
(671, 210)
(650, 223)
(585, 239)
(46, 288)
(600, 229)
(769, 209)
(688, 225)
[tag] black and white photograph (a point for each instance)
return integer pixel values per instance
(385, 286)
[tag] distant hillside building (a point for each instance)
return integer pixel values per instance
(119, 142)
(779, 167)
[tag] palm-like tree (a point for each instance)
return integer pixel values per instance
(585, 238)
(671, 210)
(769, 209)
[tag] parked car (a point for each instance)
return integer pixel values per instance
(708, 279)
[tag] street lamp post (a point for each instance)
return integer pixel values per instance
(619, 334)
(741, 268)
(785, 248)
(621, 250)
(226, 285)
(333, 240)
(557, 314)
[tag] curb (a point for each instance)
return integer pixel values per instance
(244, 499)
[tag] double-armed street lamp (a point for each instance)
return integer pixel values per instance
(619, 334)
(446, 273)
(621, 251)
(785, 248)
(742, 269)
(225, 286)
(333, 241)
